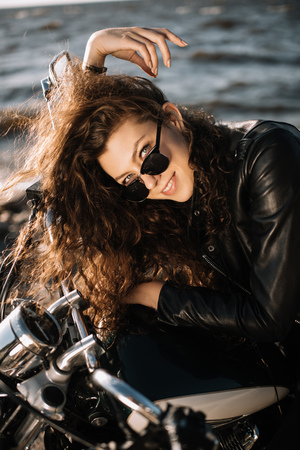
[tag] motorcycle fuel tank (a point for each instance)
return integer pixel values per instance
(222, 377)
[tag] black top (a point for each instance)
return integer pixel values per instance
(261, 254)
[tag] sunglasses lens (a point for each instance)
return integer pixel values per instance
(155, 164)
(136, 192)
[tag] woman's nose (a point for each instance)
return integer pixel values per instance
(149, 180)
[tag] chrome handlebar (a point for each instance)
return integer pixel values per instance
(27, 343)
(31, 334)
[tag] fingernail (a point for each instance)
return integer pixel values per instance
(169, 63)
(150, 64)
(155, 72)
(184, 43)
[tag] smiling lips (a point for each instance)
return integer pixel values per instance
(171, 186)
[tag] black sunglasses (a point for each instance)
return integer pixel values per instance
(154, 164)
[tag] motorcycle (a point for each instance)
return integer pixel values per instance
(62, 387)
(154, 387)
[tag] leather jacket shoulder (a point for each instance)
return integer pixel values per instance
(261, 254)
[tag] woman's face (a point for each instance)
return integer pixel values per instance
(131, 142)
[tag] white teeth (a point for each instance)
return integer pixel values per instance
(168, 185)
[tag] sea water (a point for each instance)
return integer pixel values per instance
(242, 61)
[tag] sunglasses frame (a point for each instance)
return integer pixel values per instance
(155, 149)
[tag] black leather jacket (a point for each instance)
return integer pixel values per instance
(261, 254)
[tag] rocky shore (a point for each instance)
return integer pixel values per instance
(13, 216)
(15, 211)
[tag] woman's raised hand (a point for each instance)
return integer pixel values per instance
(134, 44)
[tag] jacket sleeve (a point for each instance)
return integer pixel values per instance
(271, 175)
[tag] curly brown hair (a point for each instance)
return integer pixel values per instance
(115, 244)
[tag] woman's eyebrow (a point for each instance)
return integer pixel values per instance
(135, 149)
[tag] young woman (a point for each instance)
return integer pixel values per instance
(160, 206)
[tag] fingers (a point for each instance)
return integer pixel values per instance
(161, 37)
(135, 44)
(145, 52)
(138, 60)
(148, 39)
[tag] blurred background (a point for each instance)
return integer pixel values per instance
(242, 61)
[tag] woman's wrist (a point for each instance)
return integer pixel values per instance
(92, 56)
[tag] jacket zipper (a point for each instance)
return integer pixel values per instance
(215, 266)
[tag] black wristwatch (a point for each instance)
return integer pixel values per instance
(96, 69)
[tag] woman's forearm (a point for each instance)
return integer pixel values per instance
(146, 294)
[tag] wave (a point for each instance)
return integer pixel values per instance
(246, 57)
(12, 4)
